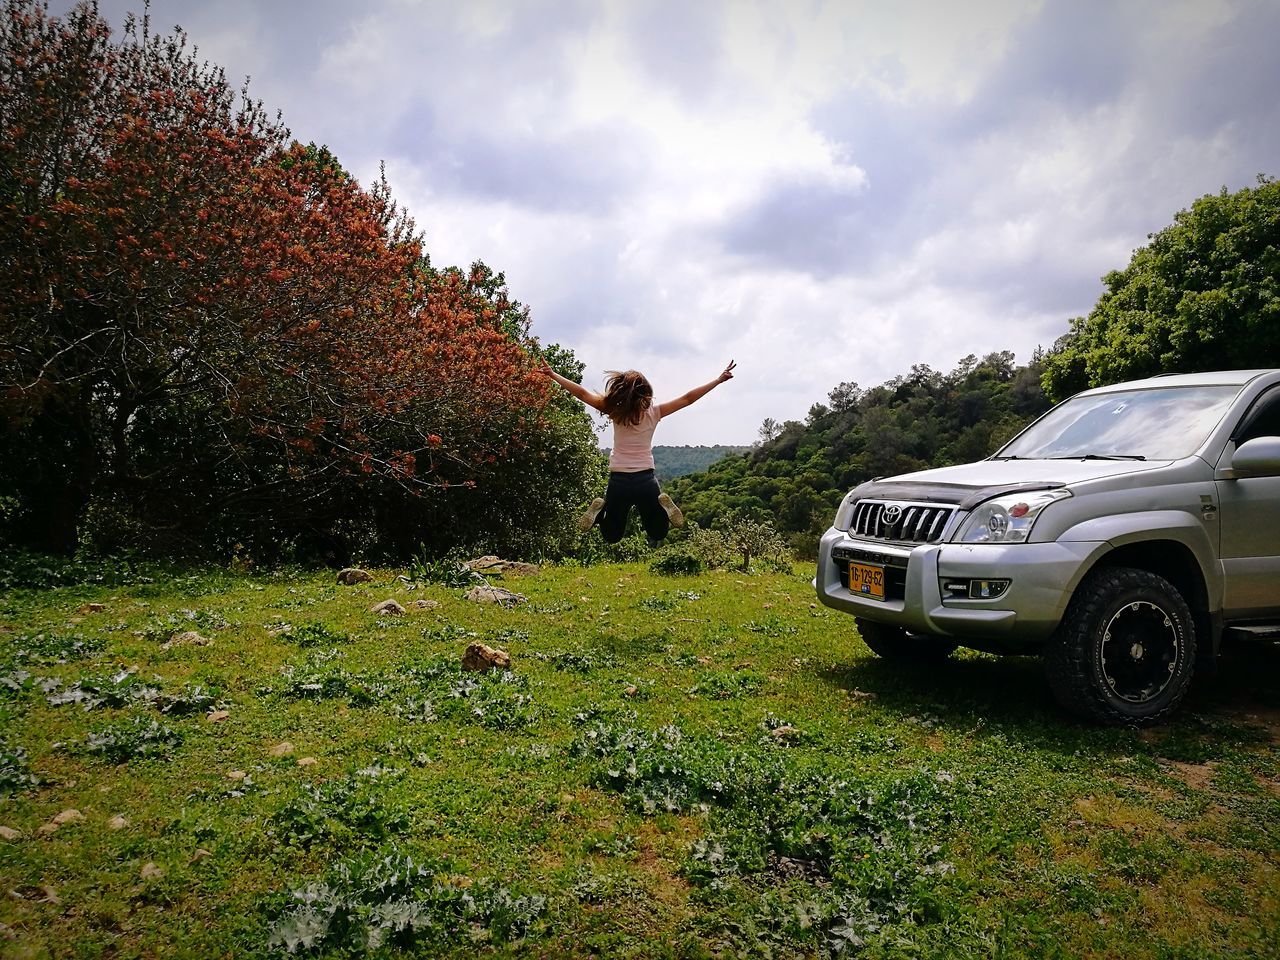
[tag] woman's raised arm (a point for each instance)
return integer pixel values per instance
(679, 403)
(577, 389)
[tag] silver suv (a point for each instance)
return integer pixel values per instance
(1120, 535)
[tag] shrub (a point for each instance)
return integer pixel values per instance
(447, 571)
(678, 560)
(736, 543)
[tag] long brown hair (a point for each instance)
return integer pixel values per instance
(627, 395)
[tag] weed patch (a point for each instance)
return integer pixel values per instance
(391, 900)
(349, 812)
(124, 688)
(726, 686)
(871, 841)
(315, 635)
(579, 660)
(15, 773)
(161, 629)
(49, 648)
(17, 683)
(130, 739)
(772, 626)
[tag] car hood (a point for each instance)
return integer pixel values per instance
(969, 484)
(989, 473)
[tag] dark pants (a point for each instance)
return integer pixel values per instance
(627, 490)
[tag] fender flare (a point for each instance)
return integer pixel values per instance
(1121, 530)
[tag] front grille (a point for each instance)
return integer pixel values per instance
(899, 522)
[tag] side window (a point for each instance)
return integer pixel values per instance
(1263, 420)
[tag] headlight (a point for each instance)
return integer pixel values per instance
(844, 512)
(1007, 519)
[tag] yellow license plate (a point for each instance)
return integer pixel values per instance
(867, 580)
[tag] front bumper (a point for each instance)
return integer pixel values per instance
(1042, 576)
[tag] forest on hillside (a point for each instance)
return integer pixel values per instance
(796, 476)
(672, 462)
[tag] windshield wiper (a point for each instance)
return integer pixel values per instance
(1101, 456)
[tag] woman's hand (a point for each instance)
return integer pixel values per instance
(728, 372)
(544, 368)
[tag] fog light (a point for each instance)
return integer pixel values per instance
(987, 589)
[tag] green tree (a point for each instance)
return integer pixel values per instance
(795, 477)
(1204, 294)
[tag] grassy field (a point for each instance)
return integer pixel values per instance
(674, 767)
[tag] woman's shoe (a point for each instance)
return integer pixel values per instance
(673, 512)
(588, 519)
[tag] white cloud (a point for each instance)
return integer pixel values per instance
(825, 190)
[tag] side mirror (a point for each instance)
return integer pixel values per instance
(1259, 457)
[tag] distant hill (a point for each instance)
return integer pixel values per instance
(672, 462)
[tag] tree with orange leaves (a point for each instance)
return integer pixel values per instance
(208, 330)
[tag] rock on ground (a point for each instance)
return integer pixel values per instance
(188, 638)
(353, 575)
(495, 595)
(492, 564)
(388, 608)
(425, 604)
(480, 657)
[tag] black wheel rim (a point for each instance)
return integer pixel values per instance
(1141, 650)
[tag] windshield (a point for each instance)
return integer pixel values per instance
(1158, 424)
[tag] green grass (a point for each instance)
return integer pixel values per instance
(675, 767)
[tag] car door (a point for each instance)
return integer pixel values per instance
(1249, 512)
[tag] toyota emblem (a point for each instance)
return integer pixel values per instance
(892, 514)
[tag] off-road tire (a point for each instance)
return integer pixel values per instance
(1092, 686)
(894, 643)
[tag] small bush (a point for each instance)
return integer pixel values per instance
(137, 737)
(736, 543)
(446, 571)
(579, 660)
(180, 621)
(124, 688)
(678, 560)
(772, 626)
(497, 701)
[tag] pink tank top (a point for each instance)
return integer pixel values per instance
(633, 445)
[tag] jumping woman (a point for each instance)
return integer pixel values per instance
(628, 402)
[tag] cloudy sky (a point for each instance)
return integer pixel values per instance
(824, 191)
